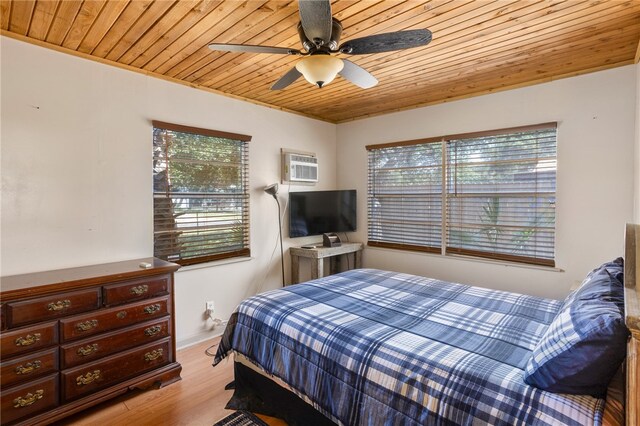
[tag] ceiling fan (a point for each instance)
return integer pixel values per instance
(320, 36)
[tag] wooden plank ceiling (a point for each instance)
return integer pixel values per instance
(478, 46)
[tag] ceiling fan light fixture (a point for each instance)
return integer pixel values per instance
(320, 70)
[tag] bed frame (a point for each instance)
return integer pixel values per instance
(632, 312)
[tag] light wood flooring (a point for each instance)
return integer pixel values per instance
(198, 399)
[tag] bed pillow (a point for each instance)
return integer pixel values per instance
(586, 342)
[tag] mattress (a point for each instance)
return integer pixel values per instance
(371, 347)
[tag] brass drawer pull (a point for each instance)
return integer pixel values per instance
(30, 339)
(28, 399)
(28, 367)
(87, 350)
(87, 325)
(153, 355)
(90, 377)
(152, 309)
(59, 305)
(139, 290)
(152, 331)
(121, 314)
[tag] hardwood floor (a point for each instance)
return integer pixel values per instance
(198, 399)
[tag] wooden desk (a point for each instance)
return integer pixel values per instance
(317, 256)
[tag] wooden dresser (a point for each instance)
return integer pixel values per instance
(75, 337)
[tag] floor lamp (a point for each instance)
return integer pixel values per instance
(273, 190)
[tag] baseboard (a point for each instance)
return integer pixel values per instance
(198, 338)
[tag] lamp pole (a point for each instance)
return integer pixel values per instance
(280, 232)
(273, 190)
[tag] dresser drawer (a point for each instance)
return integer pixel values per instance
(49, 307)
(88, 350)
(91, 377)
(113, 318)
(29, 366)
(30, 398)
(28, 339)
(131, 291)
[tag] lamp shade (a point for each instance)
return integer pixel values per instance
(320, 69)
(272, 189)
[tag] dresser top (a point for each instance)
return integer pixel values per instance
(14, 286)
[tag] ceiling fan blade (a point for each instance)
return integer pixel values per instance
(253, 49)
(286, 79)
(315, 16)
(357, 75)
(386, 42)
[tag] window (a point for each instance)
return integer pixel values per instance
(200, 194)
(488, 194)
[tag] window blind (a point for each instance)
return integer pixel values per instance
(487, 194)
(200, 194)
(501, 196)
(404, 197)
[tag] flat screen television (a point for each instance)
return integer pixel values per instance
(320, 212)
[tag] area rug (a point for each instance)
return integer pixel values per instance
(241, 418)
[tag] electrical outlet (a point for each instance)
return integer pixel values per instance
(210, 306)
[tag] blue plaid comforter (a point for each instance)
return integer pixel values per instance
(370, 347)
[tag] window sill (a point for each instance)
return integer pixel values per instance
(505, 263)
(476, 259)
(214, 263)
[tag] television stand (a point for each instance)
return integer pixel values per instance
(317, 254)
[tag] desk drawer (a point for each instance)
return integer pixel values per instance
(113, 318)
(88, 350)
(97, 375)
(50, 307)
(135, 290)
(28, 339)
(33, 397)
(29, 366)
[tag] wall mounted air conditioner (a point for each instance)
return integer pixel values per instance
(299, 167)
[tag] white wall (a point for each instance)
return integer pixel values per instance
(595, 115)
(76, 172)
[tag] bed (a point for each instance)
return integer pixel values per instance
(371, 347)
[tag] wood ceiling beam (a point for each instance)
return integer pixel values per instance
(42, 19)
(61, 24)
(89, 12)
(107, 18)
(21, 12)
(127, 18)
(5, 14)
(148, 18)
